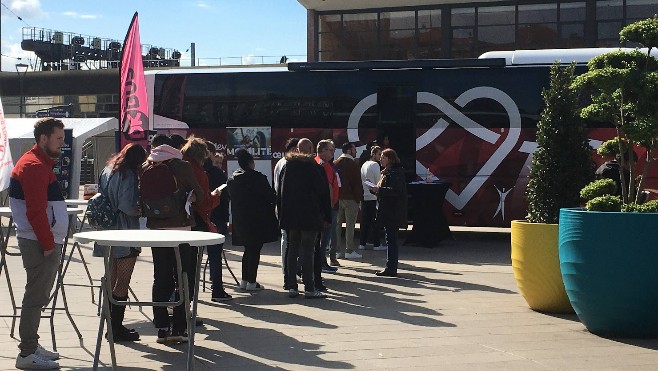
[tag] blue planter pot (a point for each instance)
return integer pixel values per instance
(609, 265)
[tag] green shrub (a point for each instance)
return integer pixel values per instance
(649, 207)
(604, 203)
(598, 188)
(562, 163)
(610, 148)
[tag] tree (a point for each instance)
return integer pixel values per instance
(562, 163)
(623, 89)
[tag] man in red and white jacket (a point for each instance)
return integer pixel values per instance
(38, 208)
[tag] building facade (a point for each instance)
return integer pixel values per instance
(425, 29)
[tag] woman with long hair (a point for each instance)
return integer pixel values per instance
(195, 151)
(119, 181)
(391, 191)
(254, 221)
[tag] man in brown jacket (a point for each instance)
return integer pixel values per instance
(349, 197)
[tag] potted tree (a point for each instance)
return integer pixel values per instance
(563, 153)
(607, 252)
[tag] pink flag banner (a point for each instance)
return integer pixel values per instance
(134, 106)
(6, 163)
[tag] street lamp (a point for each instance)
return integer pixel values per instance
(21, 70)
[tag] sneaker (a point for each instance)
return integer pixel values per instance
(243, 285)
(177, 336)
(353, 255)
(321, 288)
(293, 293)
(328, 269)
(363, 247)
(380, 248)
(255, 286)
(45, 353)
(314, 294)
(34, 362)
(162, 336)
(220, 296)
(334, 263)
(340, 255)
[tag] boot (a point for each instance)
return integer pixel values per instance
(121, 333)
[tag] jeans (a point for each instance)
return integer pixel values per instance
(347, 212)
(284, 250)
(41, 273)
(329, 235)
(368, 223)
(250, 262)
(392, 251)
(302, 245)
(215, 259)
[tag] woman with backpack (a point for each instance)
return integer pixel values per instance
(118, 182)
(254, 221)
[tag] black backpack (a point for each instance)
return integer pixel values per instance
(158, 191)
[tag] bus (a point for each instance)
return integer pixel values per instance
(471, 123)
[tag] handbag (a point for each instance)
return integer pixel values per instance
(100, 213)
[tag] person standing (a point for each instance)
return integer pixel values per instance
(195, 152)
(391, 193)
(304, 208)
(119, 181)
(38, 209)
(254, 221)
(219, 217)
(291, 145)
(349, 197)
(370, 171)
(164, 259)
(324, 157)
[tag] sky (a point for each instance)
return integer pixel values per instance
(244, 29)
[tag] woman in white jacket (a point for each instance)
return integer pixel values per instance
(370, 172)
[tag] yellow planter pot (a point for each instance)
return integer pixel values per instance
(537, 266)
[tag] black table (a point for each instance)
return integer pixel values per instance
(426, 213)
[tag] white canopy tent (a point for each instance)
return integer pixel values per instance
(21, 138)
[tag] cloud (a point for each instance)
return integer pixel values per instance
(80, 16)
(26, 9)
(13, 52)
(202, 4)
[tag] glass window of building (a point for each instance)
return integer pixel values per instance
(398, 35)
(463, 43)
(329, 32)
(537, 27)
(429, 34)
(496, 28)
(609, 21)
(572, 25)
(640, 9)
(360, 36)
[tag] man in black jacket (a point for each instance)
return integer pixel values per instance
(304, 208)
(219, 216)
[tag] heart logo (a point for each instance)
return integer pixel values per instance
(457, 200)
(460, 200)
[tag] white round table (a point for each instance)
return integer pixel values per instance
(149, 238)
(76, 202)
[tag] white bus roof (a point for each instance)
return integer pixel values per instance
(549, 56)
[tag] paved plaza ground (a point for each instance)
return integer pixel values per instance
(454, 307)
